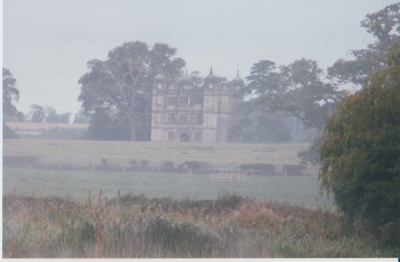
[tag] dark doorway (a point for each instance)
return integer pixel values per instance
(184, 138)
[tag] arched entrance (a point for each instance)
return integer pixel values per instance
(184, 138)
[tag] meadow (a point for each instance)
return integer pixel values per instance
(29, 126)
(227, 155)
(73, 185)
(82, 214)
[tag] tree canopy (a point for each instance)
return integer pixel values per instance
(384, 25)
(262, 78)
(80, 118)
(10, 92)
(116, 93)
(258, 127)
(360, 148)
(302, 93)
(40, 114)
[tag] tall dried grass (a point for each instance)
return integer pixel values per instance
(131, 226)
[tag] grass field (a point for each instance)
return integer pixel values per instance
(157, 152)
(48, 213)
(74, 185)
(24, 126)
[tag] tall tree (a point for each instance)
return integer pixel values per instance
(302, 93)
(360, 148)
(122, 85)
(10, 92)
(48, 114)
(38, 113)
(64, 118)
(257, 127)
(262, 78)
(51, 115)
(384, 25)
(197, 79)
(80, 118)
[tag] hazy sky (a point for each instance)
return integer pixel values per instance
(47, 43)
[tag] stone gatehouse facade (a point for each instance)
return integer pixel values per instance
(188, 114)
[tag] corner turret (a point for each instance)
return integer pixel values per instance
(237, 82)
(211, 81)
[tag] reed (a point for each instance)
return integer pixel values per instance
(134, 226)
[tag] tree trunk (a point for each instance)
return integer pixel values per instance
(133, 130)
(132, 115)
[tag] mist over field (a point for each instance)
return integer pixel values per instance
(201, 129)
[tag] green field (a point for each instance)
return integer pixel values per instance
(157, 152)
(74, 185)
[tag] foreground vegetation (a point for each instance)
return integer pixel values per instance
(360, 152)
(135, 226)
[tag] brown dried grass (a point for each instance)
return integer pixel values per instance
(135, 226)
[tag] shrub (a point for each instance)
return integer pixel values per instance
(360, 149)
(168, 166)
(19, 161)
(293, 169)
(258, 167)
(197, 165)
(144, 163)
(8, 132)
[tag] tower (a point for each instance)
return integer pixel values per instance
(157, 103)
(210, 110)
(188, 114)
(236, 98)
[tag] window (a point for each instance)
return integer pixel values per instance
(159, 86)
(172, 101)
(183, 118)
(199, 119)
(197, 136)
(171, 118)
(158, 118)
(170, 136)
(198, 100)
(184, 101)
(159, 100)
(237, 88)
(210, 86)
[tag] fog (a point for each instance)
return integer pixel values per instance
(46, 44)
(200, 129)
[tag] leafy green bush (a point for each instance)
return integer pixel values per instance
(361, 152)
